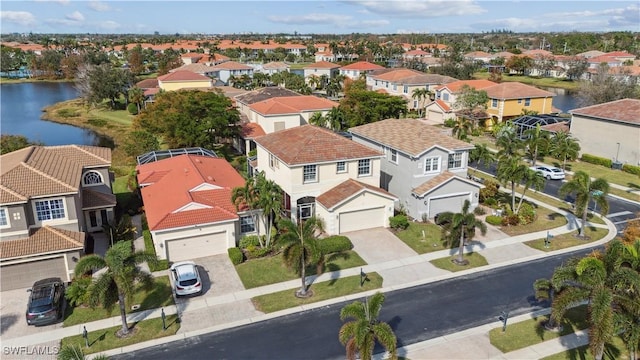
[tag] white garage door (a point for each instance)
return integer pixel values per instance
(434, 115)
(23, 275)
(197, 246)
(361, 219)
(451, 203)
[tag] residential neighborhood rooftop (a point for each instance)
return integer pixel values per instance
(346, 190)
(265, 93)
(43, 240)
(515, 90)
(624, 110)
(292, 104)
(182, 75)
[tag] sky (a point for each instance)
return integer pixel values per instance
(319, 17)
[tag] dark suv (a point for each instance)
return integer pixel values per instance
(45, 302)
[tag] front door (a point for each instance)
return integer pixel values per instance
(95, 219)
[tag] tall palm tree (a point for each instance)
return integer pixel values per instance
(508, 142)
(420, 95)
(300, 246)
(511, 170)
(270, 201)
(545, 291)
(116, 284)
(458, 226)
(136, 96)
(336, 119)
(462, 127)
(318, 119)
(586, 190)
(360, 334)
(536, 141)
(481, 155)
(531, 179)
(564, 147)
(245, 198)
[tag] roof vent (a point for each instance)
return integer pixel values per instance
(209, 178)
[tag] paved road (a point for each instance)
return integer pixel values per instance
(416, 314)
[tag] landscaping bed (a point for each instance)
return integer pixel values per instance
(567, 240)
(446, 263)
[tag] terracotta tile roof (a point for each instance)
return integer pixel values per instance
(44, 240)
(417, 52)
(457, 85)
(183, 76)
(95, 199)
(412, 77)
(275, 65)
(232, 65)
(188, 190)
(362, 66)
(49, 170)
(292, 104)
(477, 54)
(604, 59)
(624, 110)
(438, 181)
(309, 144)
(197, 68)
(264, 94)
(322, 65)
(252, 130)
(192, 55)
(515, 90)
(503, 54)
(441, 104)
(562, 126)
(150, 92)
(622, 54)
(410, 136)
(346, 190)
(7, 196)
(147, 84)
(537, 52)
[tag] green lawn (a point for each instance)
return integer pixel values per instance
(413, 237)
(321, 291)
(568, 240)
(106, 339)
(160, 295)
(271, 270)
(616, 350)
(530, 332)
(446, 263)
(535, 81)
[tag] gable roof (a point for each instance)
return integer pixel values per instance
(182, 75)
(438, 181)
(362, 66)
(232, 65)
(624, 110)
(322, 65)
(274, 65)
(44, 240)
(188, 190)
(292, 104)
(441, 104)
(515, 90)
(476, 84)
(346, 190)
(47, 170)
(408, 76)
(252, 130)
(265, 93)
(198, 68)
(147, 84)
(410, 136)
(309, 144)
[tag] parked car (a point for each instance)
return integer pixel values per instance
(186, 278)
(45, 302)
(549, 172)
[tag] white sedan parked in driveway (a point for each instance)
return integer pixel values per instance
(549, 172)
(186, 278)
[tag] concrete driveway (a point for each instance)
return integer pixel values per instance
(378, 245)
(13, 305)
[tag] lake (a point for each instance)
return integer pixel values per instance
(21, 108)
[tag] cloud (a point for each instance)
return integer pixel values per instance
(108, 25)
(75, 16)
(23, 18)
(99, 6)
(309, 19)
(420, 8)
(539, 24)
(61, 2)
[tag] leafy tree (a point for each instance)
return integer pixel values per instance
(361, 333)
(536, 141)
(564, 147)
(10, 143)
(519, 64)
(139, 142)
(269, 200)
(136, 96)
(576, 67)
(97, 83)
(583, 188)
(191, 118)
(469, 100)
(631, 233)
(136, 60)
(605, 87)
(363, 107)
(168, 60)
(462, 127)
(481, 155)
(121, 230)
(300, 247)
(458, 226)
(118, 282)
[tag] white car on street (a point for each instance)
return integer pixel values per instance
(549, 172)
(186, 278)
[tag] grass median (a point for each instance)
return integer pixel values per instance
(446, 263)
(567, 240)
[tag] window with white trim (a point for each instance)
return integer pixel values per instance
(445, 96)
(247, 224)
(273, 161)
(455, 160)
(527, 102)
(494, 103)
(405, 89)
(341, 167)
(4, 218)
(92, 178)
(309, 173)
(364, 167)
(432, 164)
(393, 156)
(49, 209)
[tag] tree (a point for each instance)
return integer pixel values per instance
(462, 127)
(361, 334)
(576, 67)
(605, 87)
(564, 147)
(481, 155)
(363, 107)
(10, 143)
(136, 60)
(246, 198)
(508, 141)
(536, 140)
(420, 95)
(585, 190)
(121, 230)
(531, 179)
(511, 170)
(469, 101)
(458, 226)
(335, 119)
(318, 119)
(269, 200)
(191, 118)
(118, 282)
(300, 247)
(97, 83)
(136, 96)
(139, 142)
(519, 64)
(631, 233)
(545, 291)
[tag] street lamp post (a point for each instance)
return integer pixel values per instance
(617, 152)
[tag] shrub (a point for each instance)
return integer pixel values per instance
(592, 159)
(334, 244)
(67, 113)
(489, 191)
(450, 123)
(527, 214)
(510, 220)
(132, 109)
(491, 202)
(77, 293)
(631, 169)
(494, 220)
(148, 246)
(97, 122)
(479, 210)
(399, 222)
(249, 240)
(254, 252)
(236, 255)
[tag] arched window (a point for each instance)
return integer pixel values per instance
(92, 178)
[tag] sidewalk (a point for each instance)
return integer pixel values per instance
(472, 341)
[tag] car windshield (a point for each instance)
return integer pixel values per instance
(188, 282)
(556, 170)
(41, 300)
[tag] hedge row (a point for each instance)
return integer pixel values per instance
(631, 169)
(592, 159)
(334, 244)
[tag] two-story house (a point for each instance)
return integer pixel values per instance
(231, 69)
(179, 80)
(423, 166)
(444, 105)
(357, 69)
(187, 201)
(320, 68)
(50, 197)
(508, 100)
(326, 175)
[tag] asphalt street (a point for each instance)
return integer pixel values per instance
(416, 314)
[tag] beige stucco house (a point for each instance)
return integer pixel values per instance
(179, 80)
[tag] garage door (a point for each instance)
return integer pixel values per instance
(197, 246)
(434, 115)
(361, 219)
(23, 275)
(451, 203)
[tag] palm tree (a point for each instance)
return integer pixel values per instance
(420, 94)
(117, 283)
(317, 119)
(462, 127)
(532, 179)
(313, 81)
(511, 170)
(536, 141)
(586, 190)
(481, 155)
(270, 201)
(508, 142)
(360, 334)
(458, 226)
(564, 147)
(335, 118)
(545, 291)
(245, 198)
(300, 246)
(136, 96)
